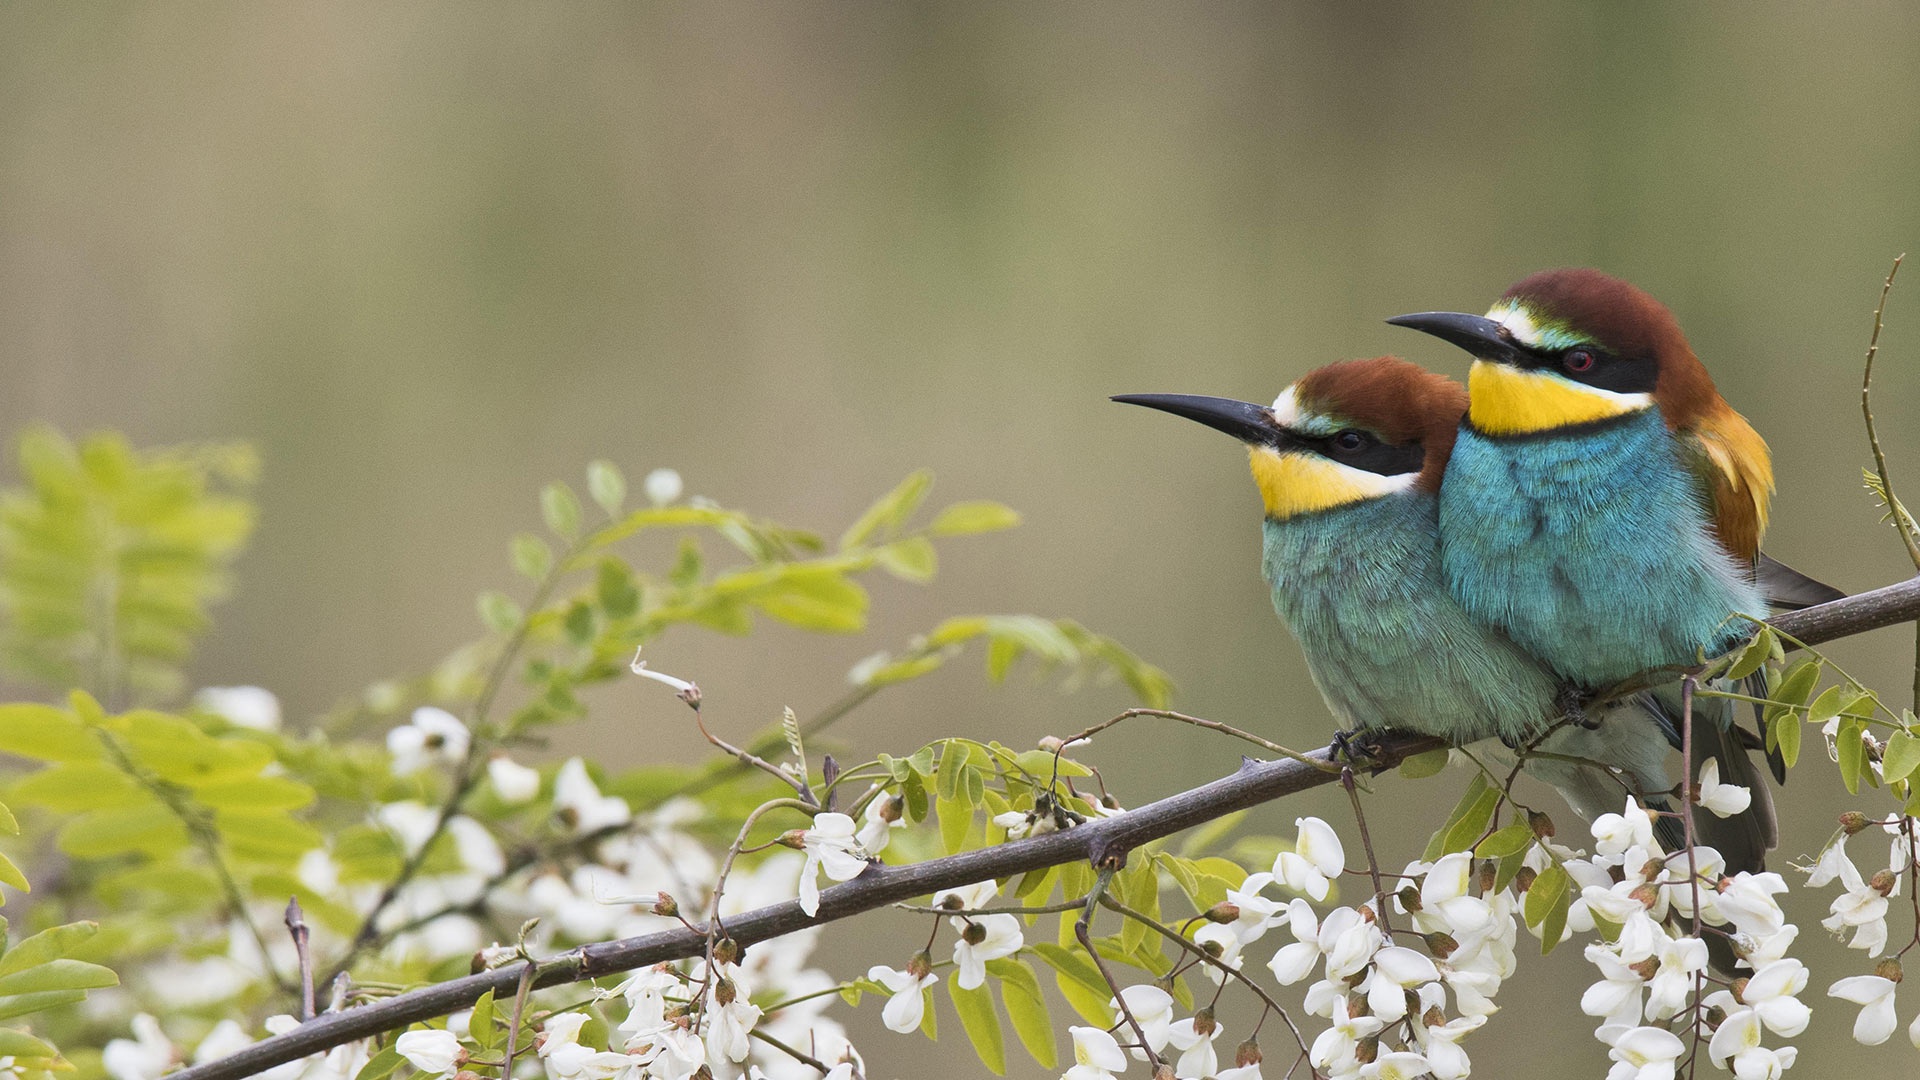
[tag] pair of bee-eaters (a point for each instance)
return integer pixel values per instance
(1479, 563)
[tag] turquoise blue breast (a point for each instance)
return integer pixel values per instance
(1592, 549)
(1360, 587)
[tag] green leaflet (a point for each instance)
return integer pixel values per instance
(981, 1023)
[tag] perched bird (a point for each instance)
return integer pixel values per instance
(1604, 507)
(1349, 461)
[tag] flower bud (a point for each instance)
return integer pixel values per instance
(1883, 882)
(1409, 898)
(974, 934)
(1888, 969)
(1163, 1071)
(1739, 989)
(1541, 824)
(725, 992)
(1646, 969)
(1223, 912)
(726, 951)
(921, 965)
(1489, 873)
(1524, 879)
(1110, 802)
(1715, 1016)
(1434, 1017)
(1853, 821)
(1212, 948)
(1247, 1053)
(1203, 1022)
(704, 1072)
(1647, 895)
(1052, 744)
(1368, 1049)
(793, 838)
(664, 905)
(1441, 946)
(892, 809)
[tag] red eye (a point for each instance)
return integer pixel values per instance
(1578, 360)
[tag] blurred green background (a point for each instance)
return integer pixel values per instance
(428, 256)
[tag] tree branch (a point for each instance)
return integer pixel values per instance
(1255, 782)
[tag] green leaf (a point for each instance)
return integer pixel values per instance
(560, 508)
(500, 613)
(813, 599)
(1853, 753)
(1026, 1008)
(1783, 735)
(912, 559)
(963, 518)
(532, 558)
(1077, 979)
(8, 824)
(889, 512)
(28, 1004)
(121, 832)
(481, 1027)
(11, 875)
(607, 486)
(1902, 756)
(982, 1024)
(91, 785)
(614, 590)
(381, 1065)
(19, 1044)
(1468, 820)
(1797, 682)
(1754, 656)
(1825, 707)
(1548, 899)
(62, 974)
(1421, 766)
(261, 794)
(1511, 840)
(44, 733)
(956, 820)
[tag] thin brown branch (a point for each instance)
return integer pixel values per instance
(1252, 784)
(1902, 523)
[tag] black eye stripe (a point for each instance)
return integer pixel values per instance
(1373, 456)
(1608, 370)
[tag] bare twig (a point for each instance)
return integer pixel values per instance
(1083, 932)
(1902, 523)
(1199, 722)
(523, 985)
(1252, 784)
(1366, 845)
(302, 935)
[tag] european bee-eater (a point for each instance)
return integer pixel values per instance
(1349, 462)
(1604, 506)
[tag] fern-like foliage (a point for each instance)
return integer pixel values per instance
(110, 556)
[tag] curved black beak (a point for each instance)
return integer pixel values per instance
(1479, 335)
(1243, 420)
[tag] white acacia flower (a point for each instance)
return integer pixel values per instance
(640, 668)
(994, 936)
(1225, 942)
(1398, 1065)
(1193, 1037)
(435, 736)
(662, 486)
(830, 846)
(1747, 900)
(1772, 993)
(1441, 1045)
(143, 1057)
(884, 814)
(907, 1005)
(1096, 1055)
(1613, 834)
(1345, 938)
(1395, 971)
(1618, 994)
(1680, 959)
(578, 801)
(1443, 895)
(729, 1021)
(1240, 1072)
(432, 1051)
(1257, 914)
(243, 706)
(410, 822)
(967, 897)
(1334, 1049)
(1641, 1053)
(1828, 867)
(1862, 907)
(1874, 995)
(515, 783)
(227, 1037)
(1316, 858)
(1724, 800)
(1151, 1008)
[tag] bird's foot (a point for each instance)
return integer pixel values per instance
(1354, 749)
(1572, 702)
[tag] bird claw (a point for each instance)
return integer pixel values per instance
(1572, 704)
(1348, 748)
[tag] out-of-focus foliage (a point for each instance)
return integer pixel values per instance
(109, 558)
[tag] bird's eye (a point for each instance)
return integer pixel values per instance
(1579, 360)
(1349, 440)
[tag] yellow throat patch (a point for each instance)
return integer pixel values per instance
(1507, 401)
(1301, 483)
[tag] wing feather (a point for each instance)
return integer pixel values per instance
(1736, 473)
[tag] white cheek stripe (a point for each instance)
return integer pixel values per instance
(1517, 322)
(1286, 411)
